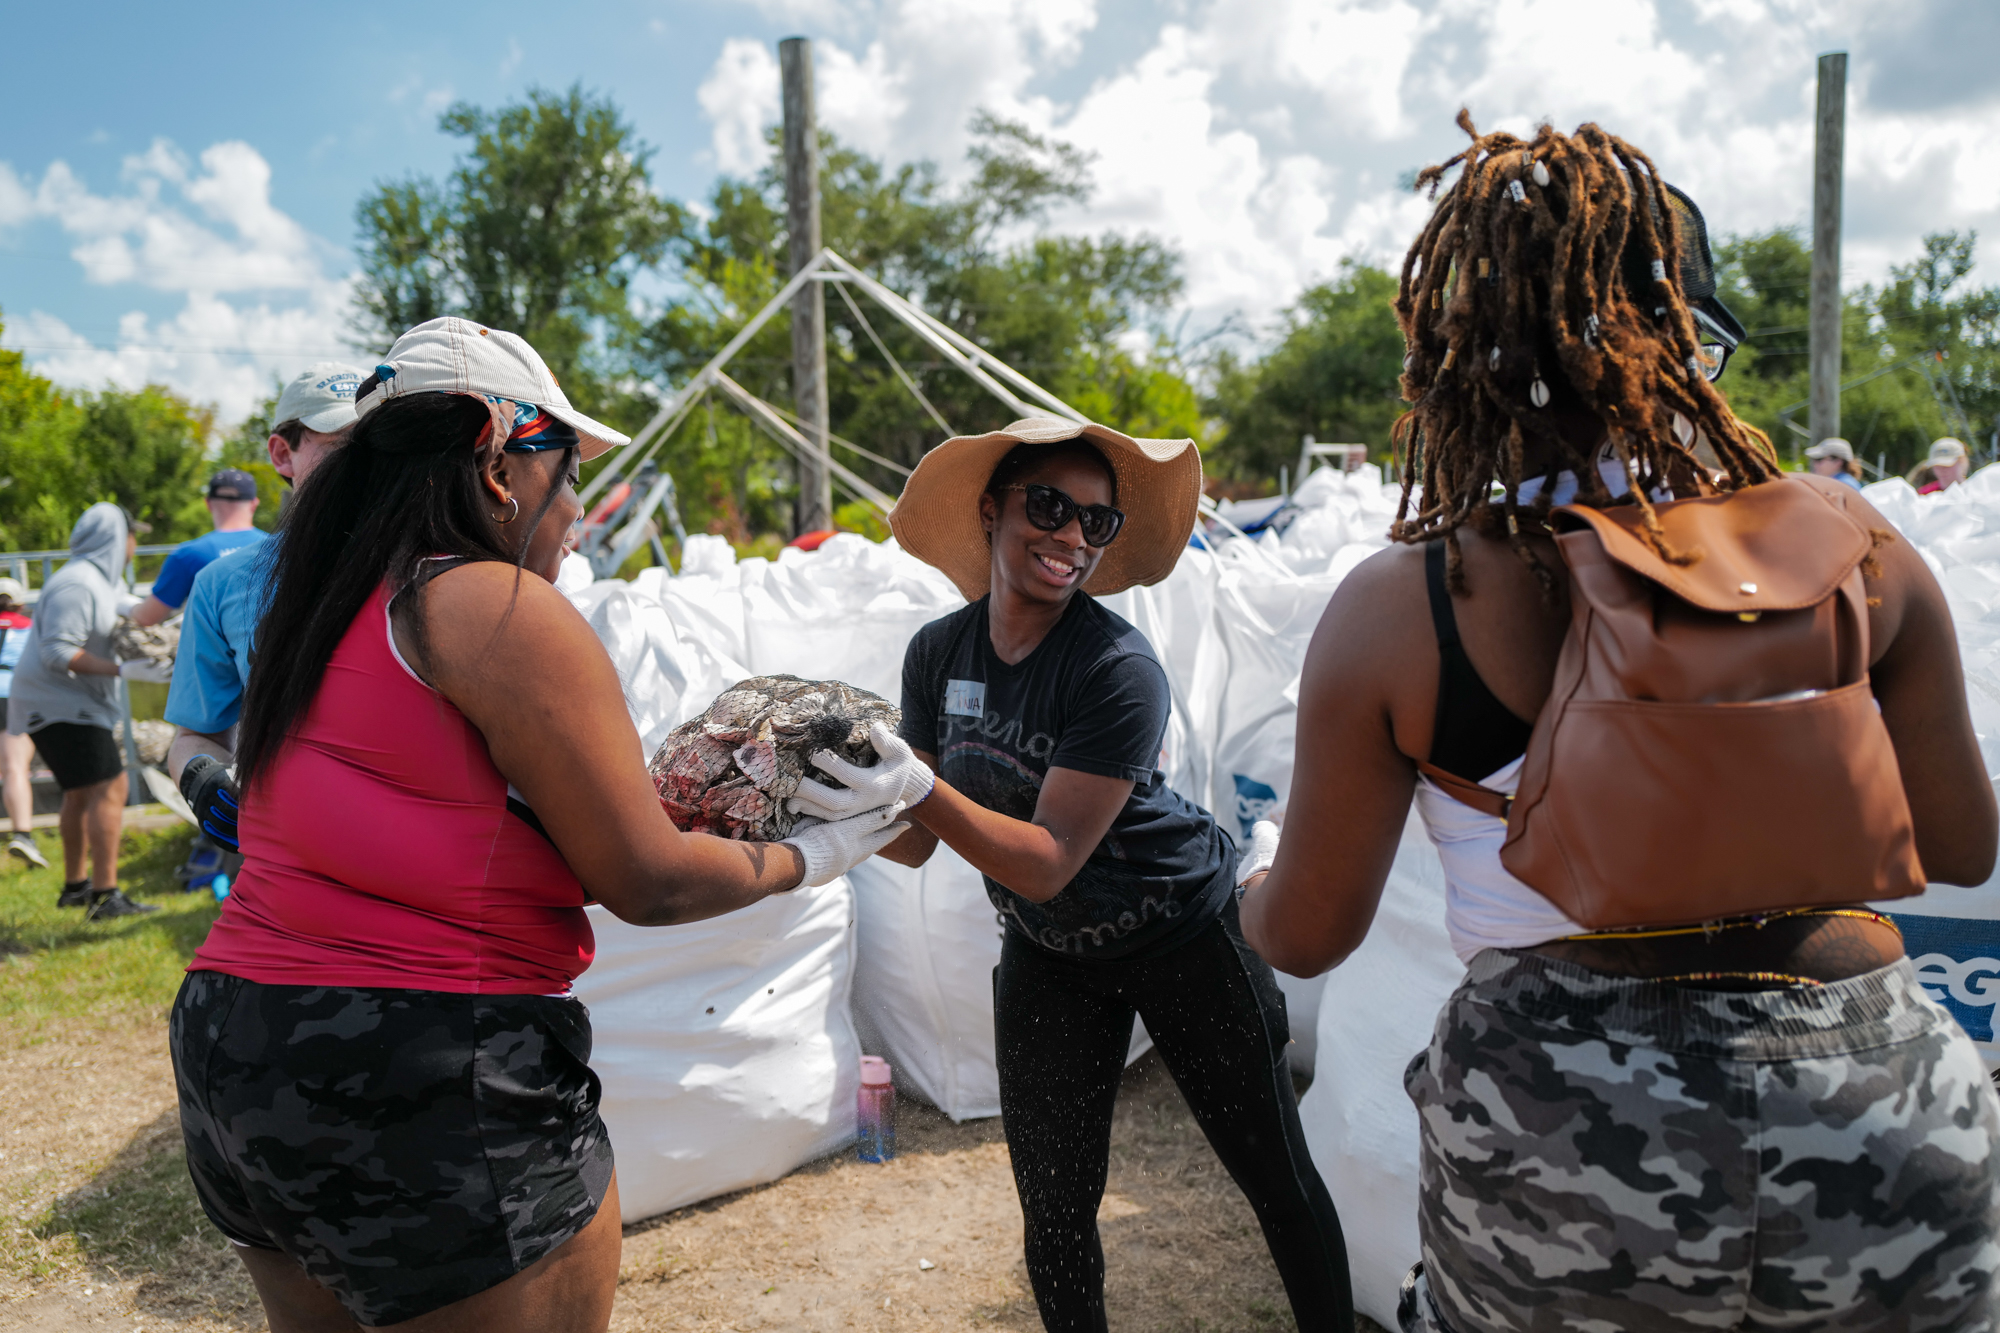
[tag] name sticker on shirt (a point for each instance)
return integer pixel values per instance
(965, 698)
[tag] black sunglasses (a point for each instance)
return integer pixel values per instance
(1050, 509)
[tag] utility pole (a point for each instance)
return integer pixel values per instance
(815, 507)
(1829, 138)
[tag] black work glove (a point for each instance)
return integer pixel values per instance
(211, 793)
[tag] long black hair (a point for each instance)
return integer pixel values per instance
(405, 487)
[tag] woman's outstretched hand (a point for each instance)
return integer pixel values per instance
(831, 849)
(899, 779)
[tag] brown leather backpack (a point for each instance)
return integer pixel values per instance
(1711, 746)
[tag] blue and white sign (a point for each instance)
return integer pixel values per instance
(1958, 962)
(1254, 800)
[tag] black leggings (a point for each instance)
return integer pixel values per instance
(1062, 1026)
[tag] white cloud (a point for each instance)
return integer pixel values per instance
(740, 98)
(1265, 138)
(204, 229)
(909, 87)
(212, 351)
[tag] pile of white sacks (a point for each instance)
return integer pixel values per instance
(729, 1049)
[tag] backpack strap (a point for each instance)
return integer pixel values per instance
(1467, 792)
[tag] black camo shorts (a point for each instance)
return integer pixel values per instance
(408, 1148)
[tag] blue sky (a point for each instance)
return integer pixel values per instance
(177, 188)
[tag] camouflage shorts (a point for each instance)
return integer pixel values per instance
(408, 1148)
(1616, 1156)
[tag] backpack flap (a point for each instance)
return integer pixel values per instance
(1711, 746)
(1776, 547)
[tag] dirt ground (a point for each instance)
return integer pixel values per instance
(101, 1233)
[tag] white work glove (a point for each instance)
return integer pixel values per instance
(1261, 852)
(832, 849)
(140, 668)
(127, 603)
(899, 777)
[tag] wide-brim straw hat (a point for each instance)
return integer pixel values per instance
(1159, 488)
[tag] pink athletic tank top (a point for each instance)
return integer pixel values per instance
(379, 850)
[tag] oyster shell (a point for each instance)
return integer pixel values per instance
(730, 770)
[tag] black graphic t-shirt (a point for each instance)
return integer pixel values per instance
(1091, 697)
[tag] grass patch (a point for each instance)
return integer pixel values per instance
(139, 1214)
(56, 967)
(131, 1212)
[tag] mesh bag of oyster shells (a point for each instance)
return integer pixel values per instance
(730, 770)
(155, 643)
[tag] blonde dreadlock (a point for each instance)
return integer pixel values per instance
(1513, 281)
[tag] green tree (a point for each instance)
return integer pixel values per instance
(38, 426)
(146, 450)
(1921, 351)
(61, 452)
(1333, 373)
(1064, 310)
(540, 230)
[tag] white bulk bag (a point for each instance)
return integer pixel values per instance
(668, 676)
(725, 1046)
(844, 612)
(923, 989)
(1953, 934)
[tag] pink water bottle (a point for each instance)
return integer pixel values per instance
(875, 1112)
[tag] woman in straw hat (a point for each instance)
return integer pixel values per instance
(384, 1075)
(1031, 733)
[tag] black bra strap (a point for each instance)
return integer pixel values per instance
(1443, 619)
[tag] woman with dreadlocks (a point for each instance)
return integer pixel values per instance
(1735, 1122)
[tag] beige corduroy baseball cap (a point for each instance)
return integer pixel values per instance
(453, 355)
(1159, 488)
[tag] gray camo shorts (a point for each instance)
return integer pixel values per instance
(1607, 1155)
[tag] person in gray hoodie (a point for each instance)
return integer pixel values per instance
(65, 695)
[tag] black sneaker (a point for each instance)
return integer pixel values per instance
(74, 895)
(112, 903)
(22, 847)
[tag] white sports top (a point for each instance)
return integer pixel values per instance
(1485, 907)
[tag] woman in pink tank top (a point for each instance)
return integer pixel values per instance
(384, 1081)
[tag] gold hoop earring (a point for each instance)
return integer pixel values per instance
(512, 515)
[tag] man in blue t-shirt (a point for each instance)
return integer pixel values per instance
(232, 503)
(227, 599)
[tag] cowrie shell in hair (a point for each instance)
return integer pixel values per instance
(1683, 428)
(1519, 192)
(1694, 368)
(1659, 270)
(1493, 358)
(1409, 360)
(1542, 173)
(1538, 393)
